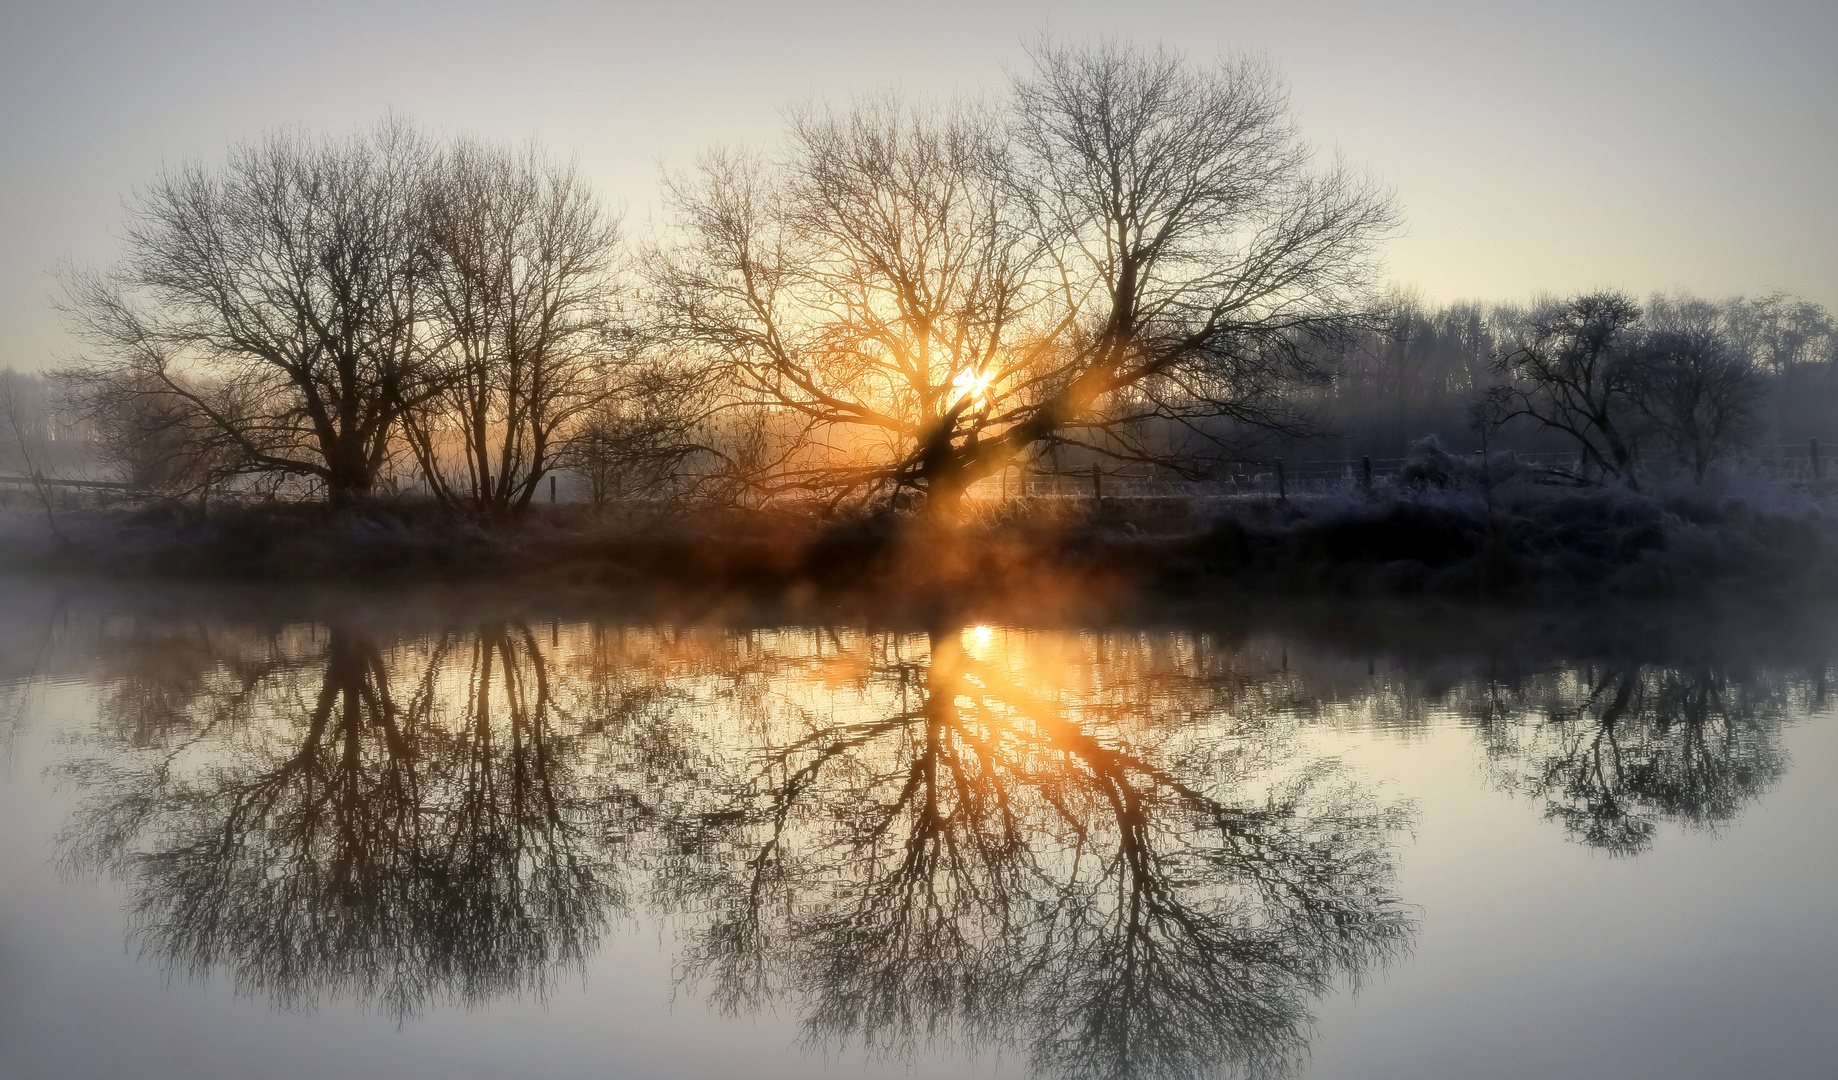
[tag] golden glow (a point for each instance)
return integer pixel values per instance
(956, 794)
(973, 385)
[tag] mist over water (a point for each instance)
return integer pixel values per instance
(261, 833)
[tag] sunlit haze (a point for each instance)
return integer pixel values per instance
(1535, 147)
(940, 542)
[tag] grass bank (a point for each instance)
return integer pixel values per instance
(1518, 539)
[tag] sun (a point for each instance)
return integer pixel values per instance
(973, 384)
(982, 635)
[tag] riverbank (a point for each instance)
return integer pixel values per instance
(1521, 539)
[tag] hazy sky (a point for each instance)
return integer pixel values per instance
(1536, 146)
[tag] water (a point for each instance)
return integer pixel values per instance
(265, 835)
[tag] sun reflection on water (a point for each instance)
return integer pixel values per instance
(957, 830)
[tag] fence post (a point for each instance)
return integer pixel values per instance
(1097, 481)
(1365, 464)
(1282, 486)
(1812, 451)
(551, 487)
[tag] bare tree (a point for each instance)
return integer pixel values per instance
(638, 439)
(1212, 260)
(1147, 250)
(437, 819)
(1700, 393)
(276, 296)
(867, 286)
(1424, 370)
(1780, 331)
(957, 856)
(1576, 372)
(1613, 752)
(23, 423)
(1791, 344)
(523, 260)
(154, 440)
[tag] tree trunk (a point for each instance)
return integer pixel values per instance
(349, 477)
(944, 497)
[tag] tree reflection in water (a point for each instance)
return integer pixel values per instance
(427, 823)
(1613, 751)
(1112, 852)
(1079, 853)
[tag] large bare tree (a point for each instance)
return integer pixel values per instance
(277, 296)
(868, 286)
(1138, 249)
(1213, 259)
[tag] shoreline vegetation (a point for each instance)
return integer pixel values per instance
(1516, 540)
(806, 376)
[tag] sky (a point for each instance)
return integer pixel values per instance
(1536, 147)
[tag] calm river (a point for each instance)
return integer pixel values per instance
(265, 836)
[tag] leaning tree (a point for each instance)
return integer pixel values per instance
(868, 287)
(1136, 250)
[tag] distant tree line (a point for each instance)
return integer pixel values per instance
(1128, 258)
(1674, 382)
